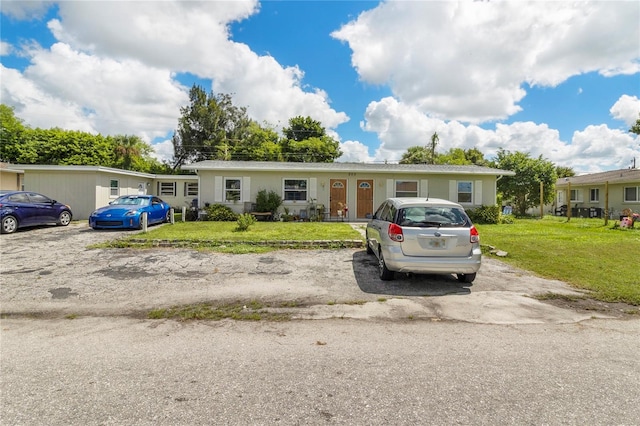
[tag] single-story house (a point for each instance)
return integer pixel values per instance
(341, 190)
(590, 193)
(85, 188)
(10, 177)
(348, 190)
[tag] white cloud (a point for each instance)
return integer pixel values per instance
(595, 148)
(163, 150)
(468, 61)
(627, 109)
(113, 68)
(21, 9)
(354, 152)
(5, 48)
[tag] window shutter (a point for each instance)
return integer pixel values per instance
(217, 190)
(453, 191)
(246, 188)
(390, 188)
(313, 189)
(424, 188)
(477, 196)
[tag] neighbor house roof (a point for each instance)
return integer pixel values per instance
(613, 176)
(345, 167)
(72, 168)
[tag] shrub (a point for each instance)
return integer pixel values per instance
(245, 221)
(268, 201)
(485, 215)
(220, 213)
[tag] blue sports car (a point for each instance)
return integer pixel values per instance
(126, 212)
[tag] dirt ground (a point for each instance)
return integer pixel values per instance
(51, 272)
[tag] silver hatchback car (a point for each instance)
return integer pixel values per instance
(424, 236)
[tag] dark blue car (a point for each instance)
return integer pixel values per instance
(19, 209)
(126, 212)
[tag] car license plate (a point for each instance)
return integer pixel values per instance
(437, 243)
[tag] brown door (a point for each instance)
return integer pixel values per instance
(337, 196)
(365, 198)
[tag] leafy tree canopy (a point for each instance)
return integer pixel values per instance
(636, 127)
(306, 141)
(523, 189)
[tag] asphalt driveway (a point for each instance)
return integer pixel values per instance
(51, 272)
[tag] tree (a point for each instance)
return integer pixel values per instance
(636, 127)
(563, 172)
(261, 144)
(523, 189)
(434, 141)
(306, 141)
(416, 155)
(11, 134)
(209, 128)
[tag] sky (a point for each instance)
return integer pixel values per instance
(555, 79)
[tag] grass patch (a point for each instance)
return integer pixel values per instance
(581, 252)
(224, 237)
(251, 311)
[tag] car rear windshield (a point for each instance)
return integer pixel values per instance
(432, 216)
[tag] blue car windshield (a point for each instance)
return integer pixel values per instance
(131, 201)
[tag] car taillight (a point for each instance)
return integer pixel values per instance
(475, 236)
(395, 233)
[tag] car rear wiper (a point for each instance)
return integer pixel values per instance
(428, 223)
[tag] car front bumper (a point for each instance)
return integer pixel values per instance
(132, 222)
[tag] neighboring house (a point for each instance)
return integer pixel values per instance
(590, 193)
(84, 188)
(351, 189)
(10, 177)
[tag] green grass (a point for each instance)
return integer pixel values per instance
(581, 252)
(260, 231)
(251, 311)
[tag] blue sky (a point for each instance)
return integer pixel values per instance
(559, 79)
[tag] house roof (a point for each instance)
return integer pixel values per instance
(613, 177)
(346, 167)
(71, 168)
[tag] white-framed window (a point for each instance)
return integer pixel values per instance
(406, 188)
(295, 190)
(167, 189)
(191, 189)
(465, 192)
(114, 188)
(576, 196)
(631, 194)
(594, 195)
(232, 189)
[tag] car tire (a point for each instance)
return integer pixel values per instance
(9, 225)
(167, 217)
(369, 249)
(384, 272)
(466, 278)
(64, 219)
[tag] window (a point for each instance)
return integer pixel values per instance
(114, 188)
(168, 189)
(594, 195)
(406, 188)
(191, 189)
(576, 195)
(295, 190)
(631, 193)
(38, 198)
(465, 192)
(232, 188)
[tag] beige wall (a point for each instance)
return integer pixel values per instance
(83, 191)
(435, 186)
(180, 197)
(10, 180)
(616, 197)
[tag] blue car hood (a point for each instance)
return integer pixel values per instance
(116, 210)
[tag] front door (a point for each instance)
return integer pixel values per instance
(365, 198)
(337, 197)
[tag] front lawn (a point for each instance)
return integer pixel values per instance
(581, 252)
